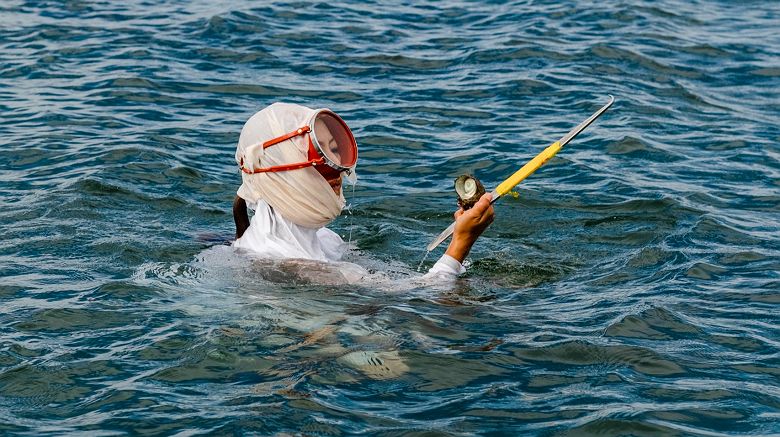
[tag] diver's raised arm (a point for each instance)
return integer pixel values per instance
(469, 225)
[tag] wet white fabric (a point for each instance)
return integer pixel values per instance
(302, 196)
(270, 235)
(446, 266)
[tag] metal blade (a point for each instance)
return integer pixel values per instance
(443, 236)
(581, 127)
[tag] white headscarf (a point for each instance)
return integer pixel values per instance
(302, 196)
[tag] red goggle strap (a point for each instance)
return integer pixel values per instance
(285, 137)
(283, 167)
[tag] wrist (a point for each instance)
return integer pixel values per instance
(459, 248)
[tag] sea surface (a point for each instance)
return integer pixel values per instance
(631, 287)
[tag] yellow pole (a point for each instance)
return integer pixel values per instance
(530, 167)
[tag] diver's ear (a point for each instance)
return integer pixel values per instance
(240, 216)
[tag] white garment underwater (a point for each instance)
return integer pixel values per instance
(272, 236)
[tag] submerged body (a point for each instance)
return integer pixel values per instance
(292, 160)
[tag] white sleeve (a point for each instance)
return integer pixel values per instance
(446, 267)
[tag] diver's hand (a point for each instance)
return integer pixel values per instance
(469, 225)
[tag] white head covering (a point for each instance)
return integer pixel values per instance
(302, 196)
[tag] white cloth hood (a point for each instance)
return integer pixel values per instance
(302, 196)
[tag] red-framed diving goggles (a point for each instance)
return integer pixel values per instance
(332, 147)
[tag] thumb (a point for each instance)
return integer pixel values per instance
(482, 204)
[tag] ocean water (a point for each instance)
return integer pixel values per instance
(631, 288)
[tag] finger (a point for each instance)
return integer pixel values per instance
(482, 205)
(489, 215)
(487, 199)
(458, 213)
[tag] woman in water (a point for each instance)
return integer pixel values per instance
(293, 160)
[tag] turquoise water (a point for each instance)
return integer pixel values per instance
(632, 286)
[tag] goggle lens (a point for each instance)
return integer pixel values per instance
(335, 140)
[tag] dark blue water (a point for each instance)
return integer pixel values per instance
(631, 288)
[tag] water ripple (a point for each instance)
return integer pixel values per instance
(629, 288)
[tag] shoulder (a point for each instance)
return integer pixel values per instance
(327, 235)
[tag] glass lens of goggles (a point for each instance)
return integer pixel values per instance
(334, 141)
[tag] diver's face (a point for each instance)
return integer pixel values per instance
(328, 144)
(330, 148)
